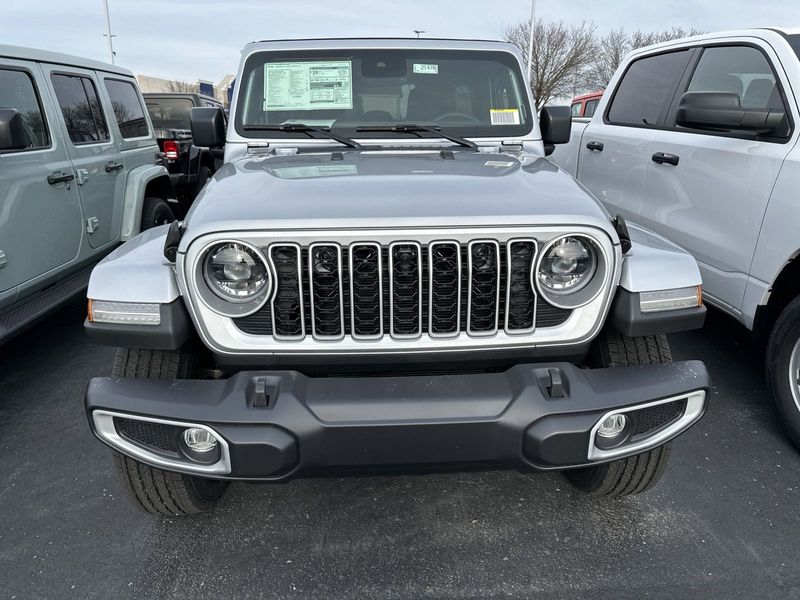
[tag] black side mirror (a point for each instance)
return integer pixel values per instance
(556, 125)
(722, 111)
(13, 135)
(208, 127)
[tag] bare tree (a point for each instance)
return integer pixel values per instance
(560, 53)
(181, 87)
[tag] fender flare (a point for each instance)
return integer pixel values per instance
(136, 185)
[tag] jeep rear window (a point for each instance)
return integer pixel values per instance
(468, 93)
(169, 113)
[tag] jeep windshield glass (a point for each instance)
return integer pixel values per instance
(169, 113)
(468, 93)
(794, 42)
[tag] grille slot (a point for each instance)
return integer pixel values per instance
(405, 287)
(288, 318)
(647, 420)
(444, 264)
(156, 435)
(520, 297)
(325, 279)
(366, 290)
(484, 287)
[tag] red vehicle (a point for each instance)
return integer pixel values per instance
(585, 105)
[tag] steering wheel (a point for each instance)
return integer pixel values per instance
(456, 116)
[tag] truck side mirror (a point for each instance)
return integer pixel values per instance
(556, 125)
(722, 111)
(13, 135)
(208, 127)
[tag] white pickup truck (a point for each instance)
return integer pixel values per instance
(696, 139)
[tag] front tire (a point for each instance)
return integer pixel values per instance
(635, 474)
(153, 490)
(155, 212)
(783, 369)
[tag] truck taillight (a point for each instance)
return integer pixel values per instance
(172, 150)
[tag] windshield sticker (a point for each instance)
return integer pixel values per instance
(426, 69)
(312, 171)
(308, 85)
(504, 116)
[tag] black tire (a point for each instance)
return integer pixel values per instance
(203, 175)
(785, 335)
(156, 212)
(154, 490)
(635, 474)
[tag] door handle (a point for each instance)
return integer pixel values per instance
(59, 177)
(595, 146)
(112, 166)
(663, 158)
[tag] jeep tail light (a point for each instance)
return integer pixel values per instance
(171, 149)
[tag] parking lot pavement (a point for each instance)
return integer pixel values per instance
(723, 522)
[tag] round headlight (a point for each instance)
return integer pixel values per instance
(235, 272)
(567, 266)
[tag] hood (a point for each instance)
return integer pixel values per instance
(378, 189)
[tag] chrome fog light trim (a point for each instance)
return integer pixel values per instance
(126, 313)
(695, 402)
(105, 429)
(675, 299)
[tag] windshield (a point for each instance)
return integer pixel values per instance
(467, 93)
(794, 42)
(169, 113)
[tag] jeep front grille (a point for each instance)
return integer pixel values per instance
(402, 289)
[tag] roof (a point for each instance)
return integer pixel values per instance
(716, 35)
(387, 42)
(588, 96)
(46, 56)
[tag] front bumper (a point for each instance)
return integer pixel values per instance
(277, 425)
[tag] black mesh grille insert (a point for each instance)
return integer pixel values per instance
(365, 276)
(288, 301)
(445, 283)
(326, 290)
(157, 435)
(655, 417)
(406, 271)
(484, 282)
(521, 298)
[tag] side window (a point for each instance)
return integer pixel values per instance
(80, 106)
(17, 91)
(576, 109)
(127, 108)
(742, 70)
(646, 88)
(591, 106)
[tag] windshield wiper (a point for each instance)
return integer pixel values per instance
(416, 128)
(303, 128)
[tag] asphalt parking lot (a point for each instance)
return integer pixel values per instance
(723, 522)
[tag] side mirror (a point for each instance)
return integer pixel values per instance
(13, 135)
(556, 125)
(208, 127)
(722, 111)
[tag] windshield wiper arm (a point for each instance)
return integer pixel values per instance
(303, 128)
(416, 128)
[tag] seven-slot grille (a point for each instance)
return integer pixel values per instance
(402, 289)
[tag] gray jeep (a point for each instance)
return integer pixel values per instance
(387, 272)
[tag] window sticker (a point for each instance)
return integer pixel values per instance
(504, 116)
(308, 85)
(426, 69)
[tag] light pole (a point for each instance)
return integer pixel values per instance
(108, 32)
(418, 31)
(530, 39)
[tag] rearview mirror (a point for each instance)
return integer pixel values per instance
(556, 125)
(208, 127)
(13, 135)
(722, 111)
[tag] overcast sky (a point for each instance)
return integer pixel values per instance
(201, 39)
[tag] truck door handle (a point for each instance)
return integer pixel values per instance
(663, 158)
(112, 166)
(59, 177)
(595, 146)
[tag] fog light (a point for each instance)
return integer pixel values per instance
(199, 440)
(612, 426)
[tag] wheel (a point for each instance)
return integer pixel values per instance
(783, 369)
(203, 175)
(635, 474)
(154, 490)
(156, 212)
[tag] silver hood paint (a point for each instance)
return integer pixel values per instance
(388, 189)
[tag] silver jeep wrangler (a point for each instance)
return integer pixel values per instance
(388, 272)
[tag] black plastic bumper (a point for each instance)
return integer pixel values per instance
(281, 424)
